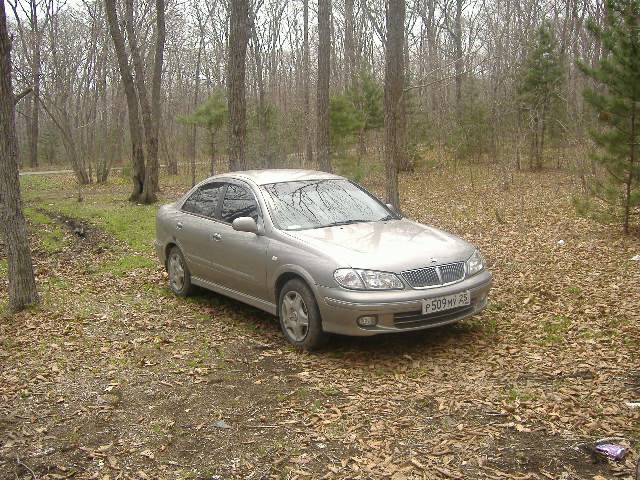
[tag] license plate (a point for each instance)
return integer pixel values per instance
(447, 302)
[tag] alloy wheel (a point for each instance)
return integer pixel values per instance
(295, 316)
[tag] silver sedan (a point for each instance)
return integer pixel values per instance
(321, 253)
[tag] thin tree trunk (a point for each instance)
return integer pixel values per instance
(34, 123)
(149, 114)
(630, 178)
(308, 143)
(194, 128)
(22, 285)
(349, 45)
(263, 114)
(135, 127)
(459, 65)
(212, 139)
(152, 183)
(324, 72)
(393, 92)
(237, 56)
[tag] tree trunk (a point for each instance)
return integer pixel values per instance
(459, 65)
(263, 114)
(237, 56)
(194, 128)
(34, 123)
(152, 185)
(149, 119)
(324, 71)
(630, 178)
(351, 69)
(135, 127)
(393, 92)
(308, 143)
(22, 285)
(212, 139)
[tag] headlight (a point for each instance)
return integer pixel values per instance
(367, 279)
(475, 263)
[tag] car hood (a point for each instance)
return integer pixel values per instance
(392, 246)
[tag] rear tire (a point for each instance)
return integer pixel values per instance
(299, 316)
(179, 275)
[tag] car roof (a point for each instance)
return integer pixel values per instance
(275, 175)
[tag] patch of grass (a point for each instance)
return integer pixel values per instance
(515, 394)
(125, 264)
(51, 237)
(57, 283)
(52, 241)
(4, 268)
(495, 306)
(330, 391)
(487, 325)
(574, 290)
(37, 217)
(555, 329)
(128, 222)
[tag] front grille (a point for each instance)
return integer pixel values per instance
(435, 276)
(418, 319)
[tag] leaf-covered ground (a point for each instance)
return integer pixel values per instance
(113, 377)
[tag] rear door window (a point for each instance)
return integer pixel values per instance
(238, 202)
(205, 200)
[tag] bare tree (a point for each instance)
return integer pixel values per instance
(135, 126)
(393, 96)
(324, 72)
(237, 53)
(351, 68)
(145, 174)
(306, 76)
(22, 285)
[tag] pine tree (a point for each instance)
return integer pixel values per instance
(618, 106)
(539, 88)
(211, 115)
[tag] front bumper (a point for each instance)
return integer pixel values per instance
(397, 311)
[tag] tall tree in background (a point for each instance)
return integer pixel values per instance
(31, 43)
(150, 109)
(350, 67)
(237, 58)
(618, 106)
(308, 143)
(540, 88)
(139, 174)
(22, 285)
(394, 148)
(324, 72)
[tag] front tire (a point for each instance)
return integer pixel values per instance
(299, 316)
(179, 275)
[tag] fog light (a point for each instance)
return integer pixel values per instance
(368, 321)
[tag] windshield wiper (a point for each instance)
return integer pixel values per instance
(343, 222)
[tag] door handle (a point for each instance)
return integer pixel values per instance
(216, 236)
(179, 226)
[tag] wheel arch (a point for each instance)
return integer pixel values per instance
(288, 275)
(167, 249)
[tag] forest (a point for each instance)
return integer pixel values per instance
(513, 124)
(275, 83)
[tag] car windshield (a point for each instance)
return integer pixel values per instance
(301, 205)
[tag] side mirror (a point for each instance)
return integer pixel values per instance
(245, 224)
